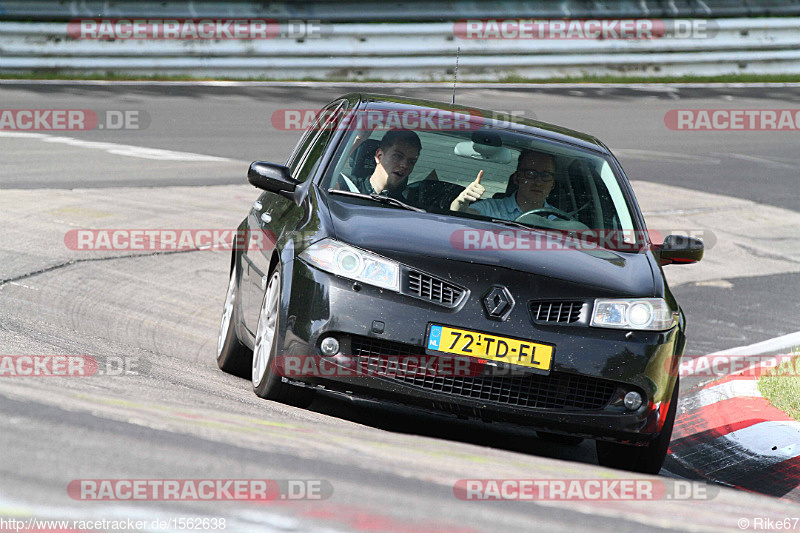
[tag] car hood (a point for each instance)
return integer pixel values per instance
(416, 239)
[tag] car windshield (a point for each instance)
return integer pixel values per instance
(564, 187)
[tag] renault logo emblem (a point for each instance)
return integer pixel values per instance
(498, 303)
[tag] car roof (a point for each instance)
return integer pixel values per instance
(534, 127)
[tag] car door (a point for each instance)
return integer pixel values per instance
(274, 216)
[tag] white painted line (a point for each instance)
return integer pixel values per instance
(22, 285)
(783, 342)
(241, 519)
(121, 149)
(668, 157)
(424, 85)
(746, 388)
(776, 344)
(22, 135)
(761, 160)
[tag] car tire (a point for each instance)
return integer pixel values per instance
(233, 357)
(267, 383)
(644, 459)
(555, 438)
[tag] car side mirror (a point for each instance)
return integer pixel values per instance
(271, 177)
(679, 249)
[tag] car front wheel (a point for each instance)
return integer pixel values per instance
(267, 382)
(645, 459)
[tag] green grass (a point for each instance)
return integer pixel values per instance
(744, 78)
(781, 386)
(728, 78)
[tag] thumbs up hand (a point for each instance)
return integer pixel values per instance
(472, 193)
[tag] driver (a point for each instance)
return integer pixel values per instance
(394, 161)
(534, 178)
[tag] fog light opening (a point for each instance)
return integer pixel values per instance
(633, 401)
(330, 346)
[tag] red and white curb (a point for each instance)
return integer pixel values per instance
(728, 433)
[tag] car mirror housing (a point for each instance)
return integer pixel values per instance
(679, 249)
(271, 177)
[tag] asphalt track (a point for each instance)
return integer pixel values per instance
(182, 418)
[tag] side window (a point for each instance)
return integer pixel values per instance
(315, 140)
(299, 149)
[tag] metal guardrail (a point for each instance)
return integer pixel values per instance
(419, 52)
(401, 10)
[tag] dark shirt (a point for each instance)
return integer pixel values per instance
(365, 187)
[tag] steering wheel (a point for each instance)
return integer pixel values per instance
(433, 196)
(544, 211)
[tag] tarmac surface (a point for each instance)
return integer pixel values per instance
(179, 417)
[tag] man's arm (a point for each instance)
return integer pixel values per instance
(361, 136)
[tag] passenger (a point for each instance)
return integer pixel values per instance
(394, 159)
(534, 178)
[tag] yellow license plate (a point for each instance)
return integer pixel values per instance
(490, 347)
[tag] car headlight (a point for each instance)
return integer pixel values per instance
(353, 263)
(651, 314)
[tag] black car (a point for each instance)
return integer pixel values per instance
(546, 294)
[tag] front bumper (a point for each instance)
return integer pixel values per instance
(588, 361)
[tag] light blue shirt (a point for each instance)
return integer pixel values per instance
(502, 208)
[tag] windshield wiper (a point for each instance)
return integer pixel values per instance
(380, 198)
(512, 223)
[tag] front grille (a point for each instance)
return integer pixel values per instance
(433, 289)
(555, 311)
(366, 346)
(553, 391)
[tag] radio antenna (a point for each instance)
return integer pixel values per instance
(455, 75)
